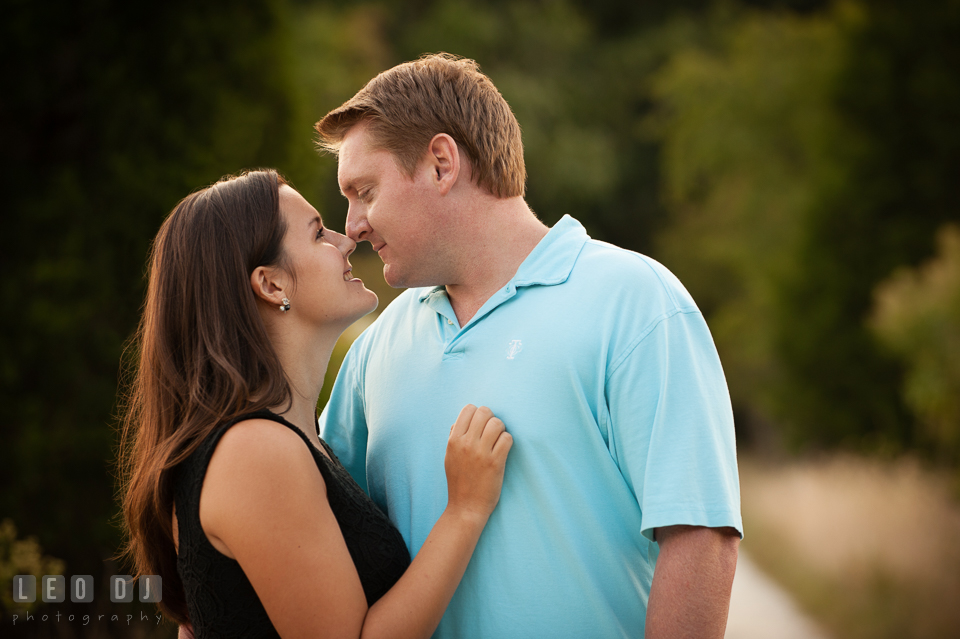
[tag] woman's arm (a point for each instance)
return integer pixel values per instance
(264, 504)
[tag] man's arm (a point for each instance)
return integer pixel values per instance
(690, 594)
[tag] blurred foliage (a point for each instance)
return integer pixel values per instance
(898, 97)
(112, 112)
(746, 120)
(917, 314)
(22, 557)
(804, 158)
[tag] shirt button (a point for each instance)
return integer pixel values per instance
(450, 322)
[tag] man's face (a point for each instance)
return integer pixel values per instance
(395, 213)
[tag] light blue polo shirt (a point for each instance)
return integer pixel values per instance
(604, 371)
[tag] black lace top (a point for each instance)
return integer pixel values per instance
(220, 599)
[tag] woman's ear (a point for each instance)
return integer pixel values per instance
(444, 158)
(268, 285)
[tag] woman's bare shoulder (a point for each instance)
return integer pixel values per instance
(255, 461)
(260, 438)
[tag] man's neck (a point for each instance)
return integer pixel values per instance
(492, 250)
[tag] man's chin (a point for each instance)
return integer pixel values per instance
(393, 278)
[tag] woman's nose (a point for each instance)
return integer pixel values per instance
(347, 246)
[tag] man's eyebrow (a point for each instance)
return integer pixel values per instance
(349, 184)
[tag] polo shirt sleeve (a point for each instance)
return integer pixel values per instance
(671, 425)
(343, 423)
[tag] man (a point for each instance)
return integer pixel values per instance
(620, 505)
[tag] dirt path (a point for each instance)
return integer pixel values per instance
(760, 609)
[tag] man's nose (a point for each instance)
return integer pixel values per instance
(357, 228)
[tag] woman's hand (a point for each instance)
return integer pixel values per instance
(476, 455)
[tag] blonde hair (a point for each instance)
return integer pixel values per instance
(409, 104)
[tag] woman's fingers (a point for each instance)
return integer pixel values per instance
(479, 422)
(492, 430)
(462, 425)
(478, 425)
(503, 445)
(475, 460)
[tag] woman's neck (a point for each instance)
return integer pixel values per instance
(304, 359)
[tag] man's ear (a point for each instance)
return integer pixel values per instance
(443, 157)
(268, 285)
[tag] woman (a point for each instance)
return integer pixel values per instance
(229, 494)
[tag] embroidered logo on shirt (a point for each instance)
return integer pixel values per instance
(515, 347)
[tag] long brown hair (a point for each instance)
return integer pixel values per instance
(201, 354)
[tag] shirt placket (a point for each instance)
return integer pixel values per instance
(453, 334)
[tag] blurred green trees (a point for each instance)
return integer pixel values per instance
(111, 112)
(746, 121)
(917, 314)
(805, 157)
(22, 557)
(899, 101)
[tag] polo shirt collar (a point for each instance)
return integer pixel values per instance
(551, 260)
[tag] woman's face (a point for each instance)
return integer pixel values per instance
(326, 291)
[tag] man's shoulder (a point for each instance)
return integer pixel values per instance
(615, 271)
(605, 257)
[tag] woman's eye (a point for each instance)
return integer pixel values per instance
(320, 232)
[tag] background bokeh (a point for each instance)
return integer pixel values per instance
(795, 163)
